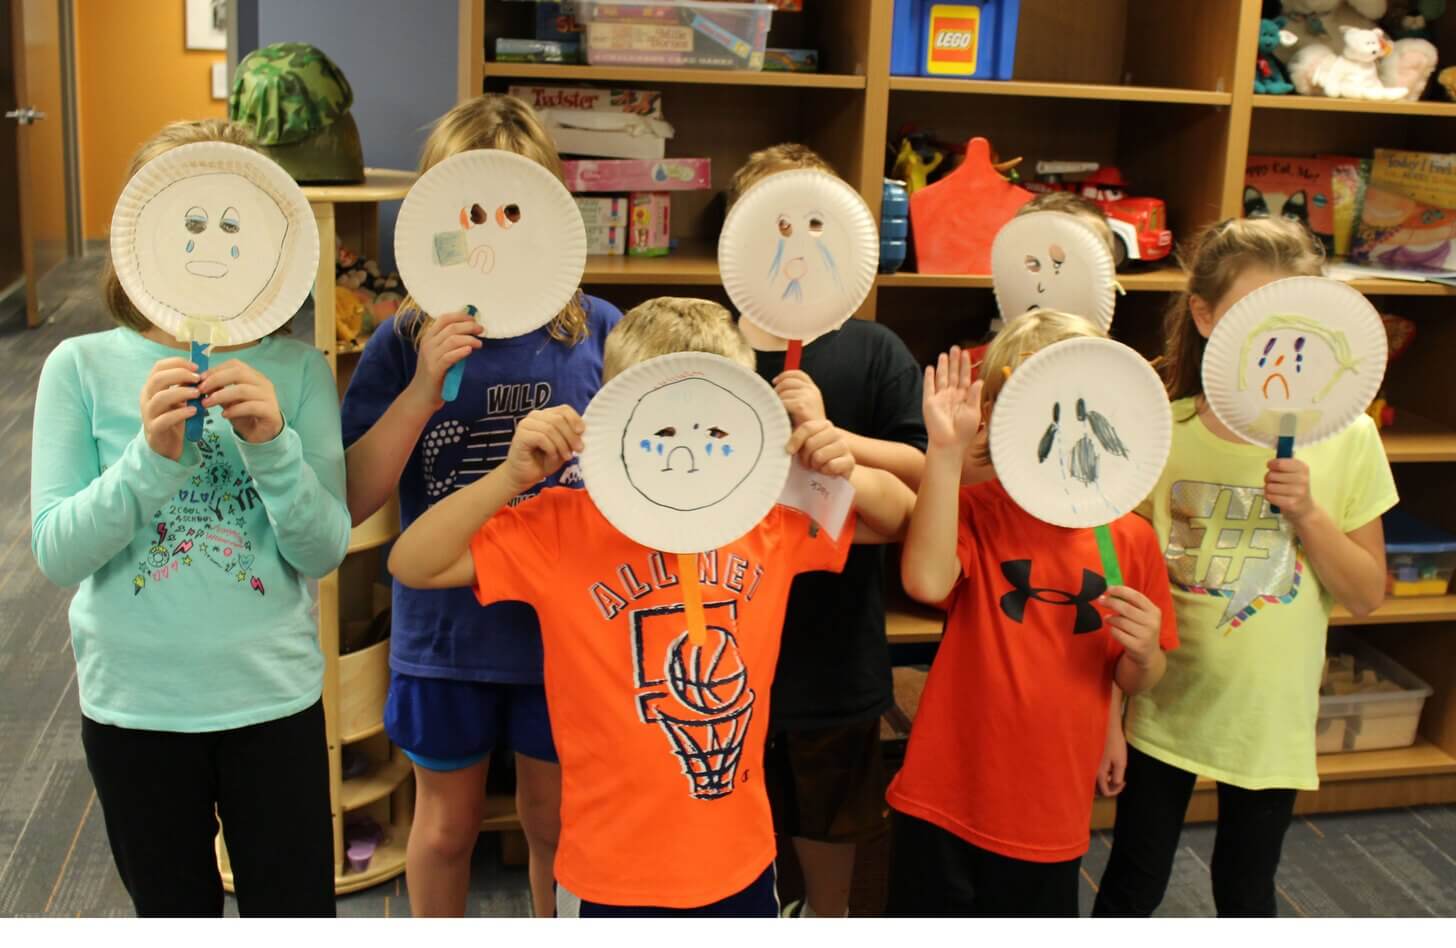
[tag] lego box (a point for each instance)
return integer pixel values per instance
(668, 174)
(651, 232)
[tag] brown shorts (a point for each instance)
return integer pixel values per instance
(828, 784)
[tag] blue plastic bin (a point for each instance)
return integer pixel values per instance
(973, 39)
(894, 225)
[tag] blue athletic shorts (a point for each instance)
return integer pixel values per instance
(445, 724)
(759, 900)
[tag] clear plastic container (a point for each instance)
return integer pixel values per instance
(1382, 715)
(1419, 559)
(676, 33)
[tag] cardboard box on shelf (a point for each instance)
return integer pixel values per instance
(669, 174)
(631, 101)
(600, 123)
(650, 234)
(606, 224)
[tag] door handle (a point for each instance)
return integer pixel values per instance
(25, 116)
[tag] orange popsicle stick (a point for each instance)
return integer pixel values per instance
(687, 570)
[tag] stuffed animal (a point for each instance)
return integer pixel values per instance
(1412, 18)
(1408, 66)
(1269, 75)
(1447, 78)
(1352, 74)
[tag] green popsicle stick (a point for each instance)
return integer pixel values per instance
(1111, 569)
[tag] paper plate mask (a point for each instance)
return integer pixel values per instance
(1307, 352)
(214, 243)
(494, 230)
(685, 452)
(1080, 432)
(1051, 260)
(798, 253)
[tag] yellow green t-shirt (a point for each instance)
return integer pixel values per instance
(1241, 695)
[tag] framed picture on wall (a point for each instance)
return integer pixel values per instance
(206, 24)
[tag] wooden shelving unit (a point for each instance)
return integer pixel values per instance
(1163, 91)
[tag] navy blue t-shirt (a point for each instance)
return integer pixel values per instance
(446, 633)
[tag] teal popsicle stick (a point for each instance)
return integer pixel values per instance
(194, 424)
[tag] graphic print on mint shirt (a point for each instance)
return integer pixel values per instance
(700, 696)
(205, 522)
(1225, 542)
(457, 453)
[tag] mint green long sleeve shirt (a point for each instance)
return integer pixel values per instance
(193, 611)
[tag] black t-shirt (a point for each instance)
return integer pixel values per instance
(834, 663)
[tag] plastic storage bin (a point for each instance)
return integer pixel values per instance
(675, 33)
(1383, 714)
(973, 39)
(1419, 559)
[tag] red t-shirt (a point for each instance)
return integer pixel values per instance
(661, 742)
(1011, 726)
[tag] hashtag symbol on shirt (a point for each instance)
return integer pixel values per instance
(1219, 522)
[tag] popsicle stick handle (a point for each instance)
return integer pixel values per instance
(194, 424)
(794, 355)
(450, 388)
(1107, 550)
(1284, 447)
(687, 570)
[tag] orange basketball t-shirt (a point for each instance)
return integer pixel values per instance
(1005, 745)
(661, 742)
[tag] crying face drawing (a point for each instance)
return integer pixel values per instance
(690, 443)
(1050, 260)
(803, 268)
(212, 243)
(1091, 435)
(1289, 365)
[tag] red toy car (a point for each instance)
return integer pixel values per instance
(1138, 224)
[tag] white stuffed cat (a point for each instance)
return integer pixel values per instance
(1320, 23)
(1351, 75)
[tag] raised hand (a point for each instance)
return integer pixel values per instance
(544, 441)
(951, 403)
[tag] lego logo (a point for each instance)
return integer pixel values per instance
(954, 39)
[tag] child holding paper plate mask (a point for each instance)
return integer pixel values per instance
(1253, 588)
(993, 804)
(197, 652)
(466, 682)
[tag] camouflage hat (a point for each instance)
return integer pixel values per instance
(288, 91)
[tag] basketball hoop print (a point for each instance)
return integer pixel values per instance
(700, 696)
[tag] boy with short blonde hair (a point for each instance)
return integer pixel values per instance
(663, 807)
(824, 768)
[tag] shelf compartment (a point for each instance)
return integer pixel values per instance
(363, 685)
(380, 781)
(653, 75)
(387, 862)
(1414, 439)
(692, 263)
(1310, 103)
(1156, 279)
(500, 814)
(1061, 90)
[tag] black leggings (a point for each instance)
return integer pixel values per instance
(162, 792)
(1251, 828)
(936, 874)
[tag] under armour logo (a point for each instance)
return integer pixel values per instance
(1018, 573)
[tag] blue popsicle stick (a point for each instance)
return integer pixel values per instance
(194, 424)
(450, 387)
(1284, 447)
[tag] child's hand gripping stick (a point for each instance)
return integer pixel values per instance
(450, 388)
(687, 568)
(794, 355)
(1284, 448)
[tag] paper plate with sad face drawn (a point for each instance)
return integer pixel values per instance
(1052, 260)
(214, 242)
(494, 230)
(798, 253)
(1310, 348)
(685, 452)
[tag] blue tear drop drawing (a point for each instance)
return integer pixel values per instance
(235, 251)
(708, 447)
(727, 450)
(190, 245)
(659, 447)
(646, 445)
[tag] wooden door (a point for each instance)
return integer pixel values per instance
(35, 33)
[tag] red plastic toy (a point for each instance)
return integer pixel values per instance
(1139, 224)
(955, 219)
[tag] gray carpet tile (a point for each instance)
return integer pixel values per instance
(54, 858)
